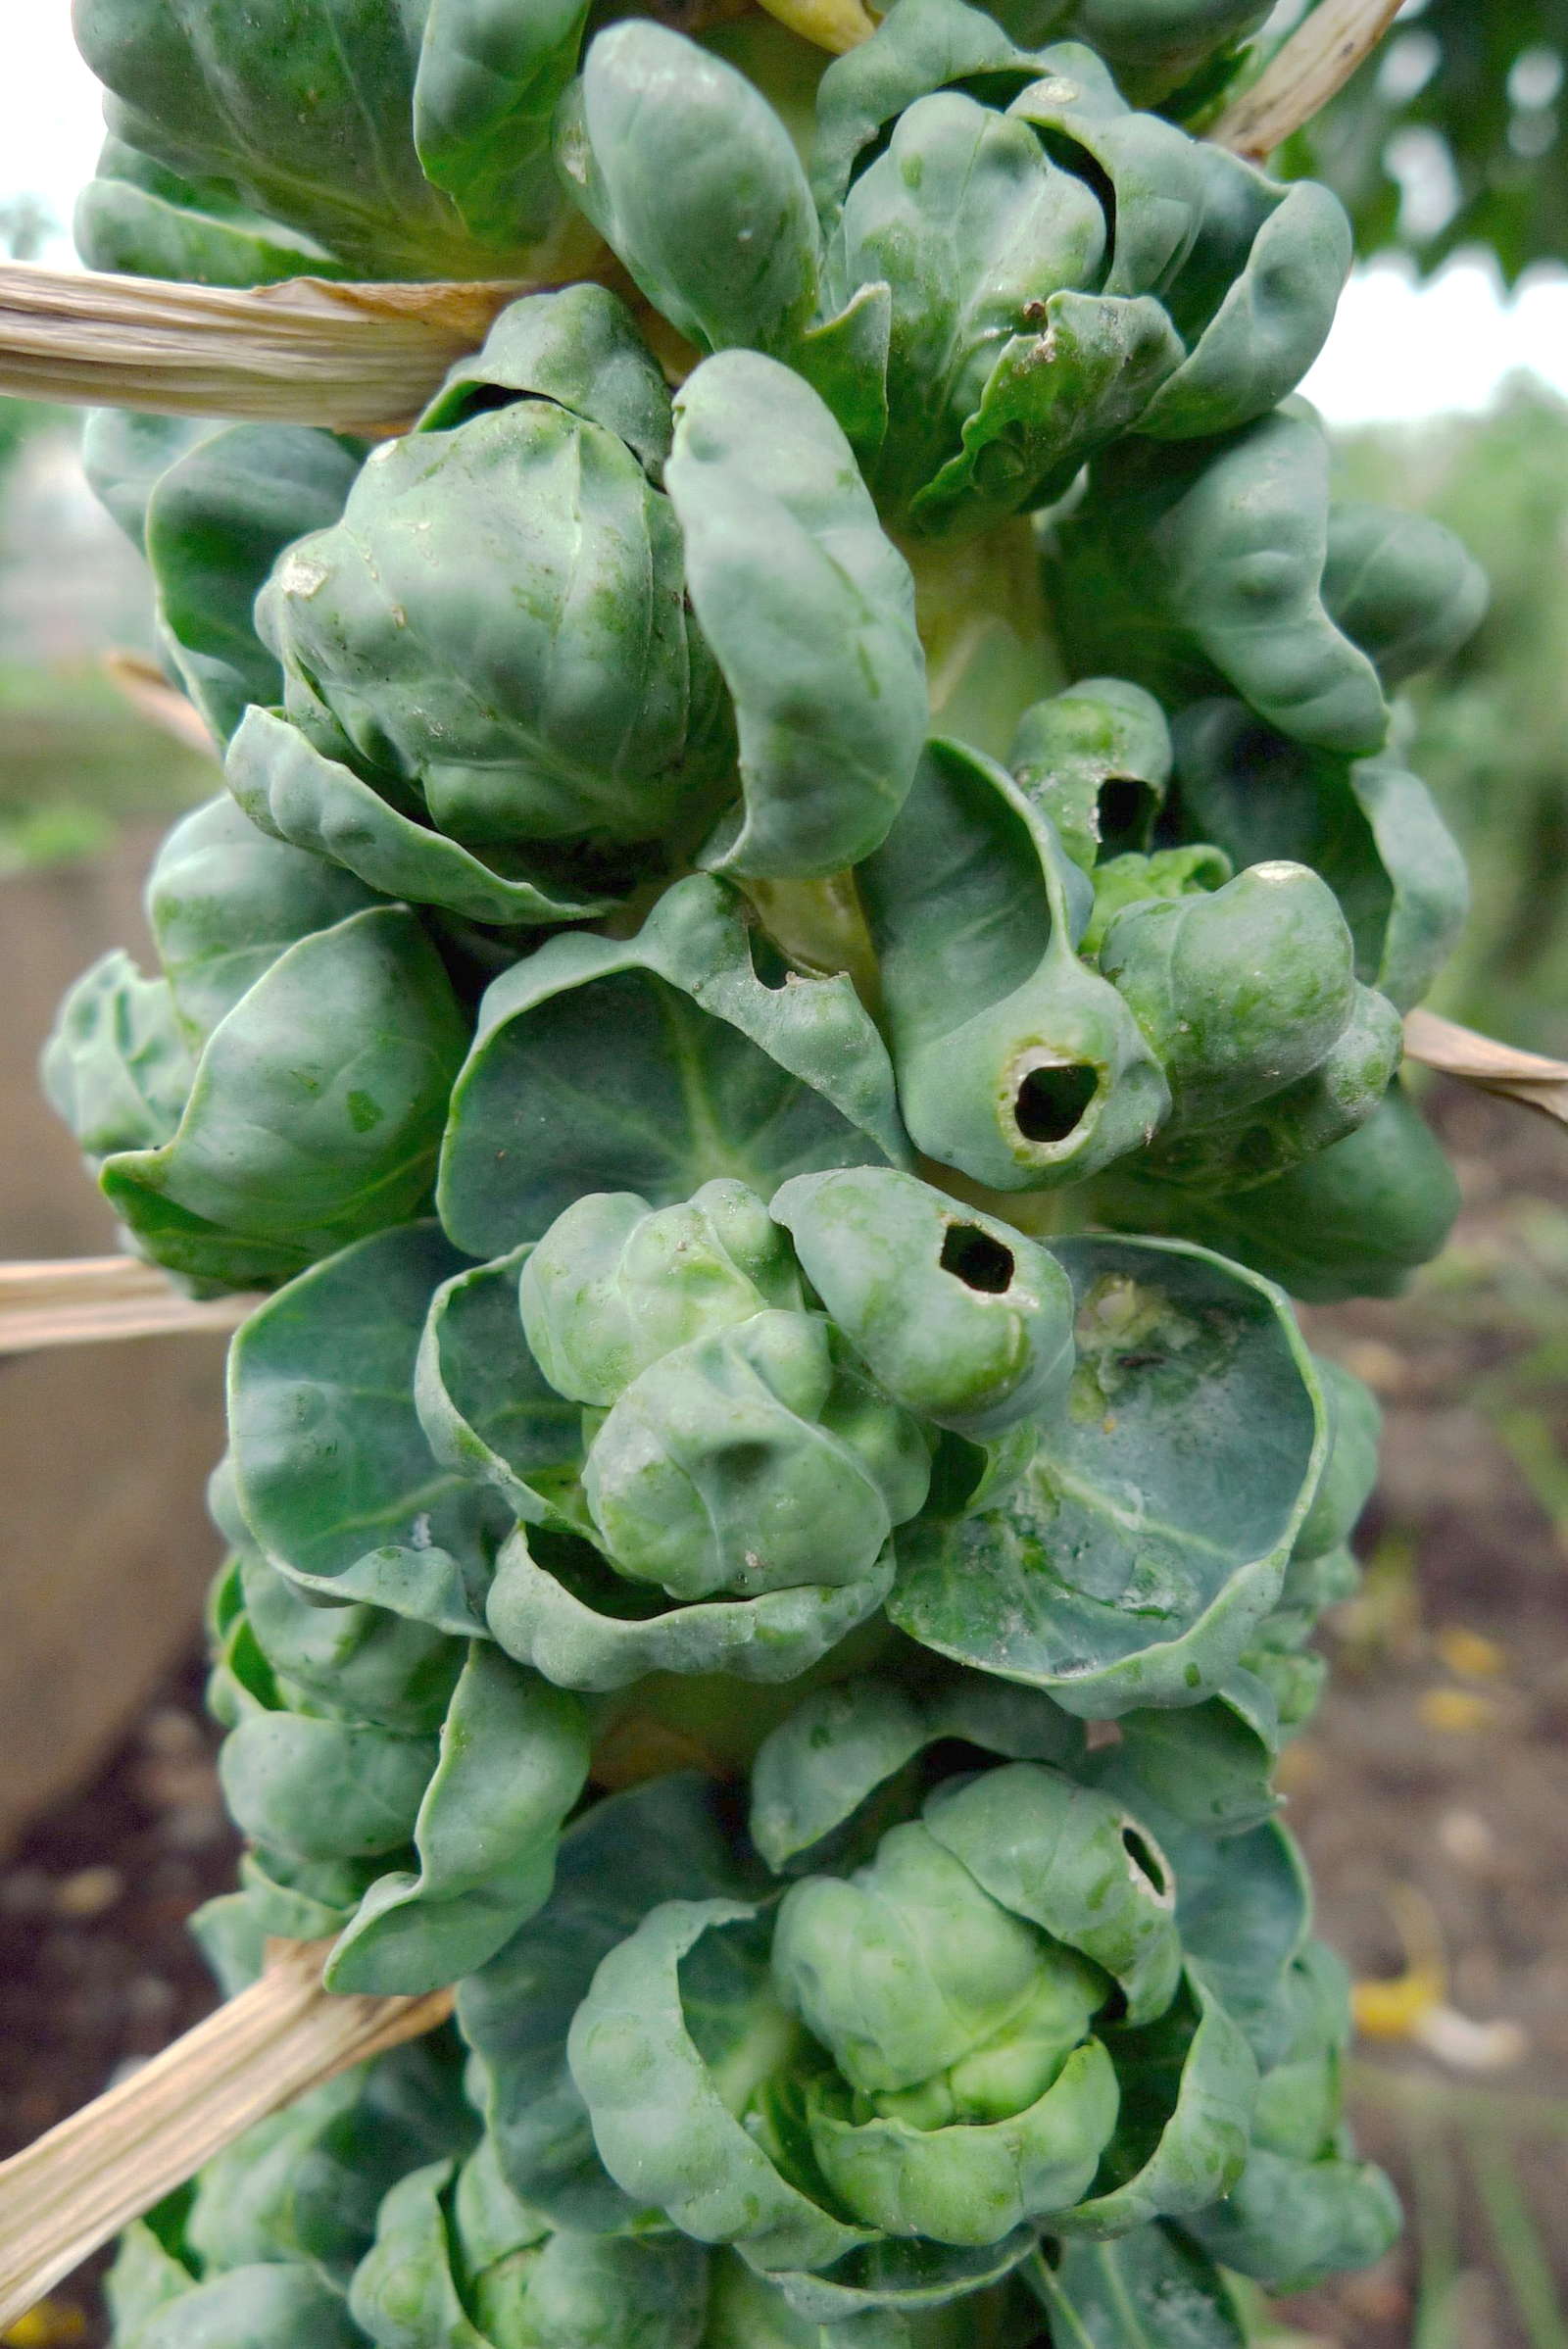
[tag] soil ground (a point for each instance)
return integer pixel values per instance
(1430, 1793)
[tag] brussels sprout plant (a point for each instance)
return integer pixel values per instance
(803, 954)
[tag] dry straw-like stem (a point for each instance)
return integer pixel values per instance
(358, 358)
(68, 2194)
(1310, 67)
(148, 691)
(82, 1300)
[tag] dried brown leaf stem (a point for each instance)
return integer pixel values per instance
(358, 359)
(81, 1299)
(145, 687)
(1314, 64)
(1529, 1078)
(63, 2197)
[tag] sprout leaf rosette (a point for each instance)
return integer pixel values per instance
(994, 265)
(283, 1086)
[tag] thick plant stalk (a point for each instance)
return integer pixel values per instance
(81, 1300)
(1529, 1078)
(63, 2197)
(1315, 62)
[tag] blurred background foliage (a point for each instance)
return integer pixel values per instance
(1452, 134)
(1490, 731)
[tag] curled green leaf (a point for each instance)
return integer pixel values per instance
(1095, 760)
(665, 1062)
(1367, 826)
(224, 903)
(960, 1318)
(1016, 1063)
(216, 523)
(556, 1605)
(690, 176)
(1187, 565)
(809, 610)
(294, 791)
(334, 1476)
(512, 1760)
(1355, 1220)
(1132, 1559)
(817, 1770)
(664, 1840)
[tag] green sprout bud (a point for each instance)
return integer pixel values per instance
(1097, 759)
(494, 634)
(1241, 992)
(751, 1460)
(615, 1285)
(938, 2005)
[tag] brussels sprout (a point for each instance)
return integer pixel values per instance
(962, 1319)
(314, 1104)
(267, 2306)
(1149, 43)
(494, 634)
(745, 2311)
(752, 1460)
(447, 2246)
(992, 286)
(960, 2064)
(1242, 991)
(1097, 760)
(306, 2183)
(409, 141)
(478, 1811)
(615, 1285)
